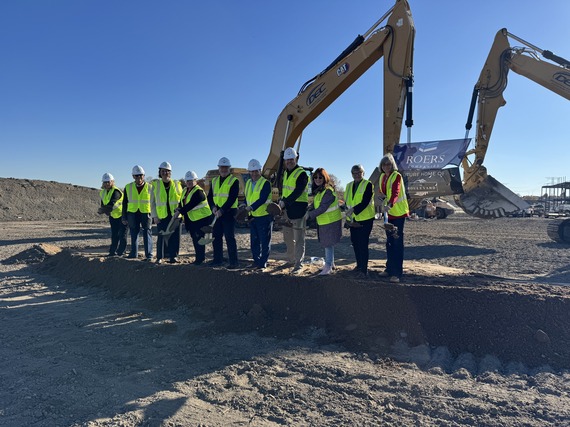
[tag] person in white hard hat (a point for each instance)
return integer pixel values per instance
(257, 197)
(165, 196)
(294, 201)
(112, 205)
(223, 200)
(136, 212)
(196, 212)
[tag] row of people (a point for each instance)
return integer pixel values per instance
(142, 203)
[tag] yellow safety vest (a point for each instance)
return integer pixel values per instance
(252, 195)
(201, 210)
(160, 197)
(290, 181)
(352, 201)
(138, 202)
(105, 195)
(222, 193)
(400, 207)
(333, 213)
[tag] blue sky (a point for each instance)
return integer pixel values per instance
(96, 86)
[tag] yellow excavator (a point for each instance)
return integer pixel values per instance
(483, 195)
(393, 41)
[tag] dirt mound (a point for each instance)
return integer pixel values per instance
(37, 253)
(35, 200)
(460, 311)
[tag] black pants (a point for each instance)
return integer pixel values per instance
(171, 243)
(194, 228)
(118, 236)
(360, 238)
(225, 227)
(395, 249)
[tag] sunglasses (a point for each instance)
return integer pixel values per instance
(317, 177)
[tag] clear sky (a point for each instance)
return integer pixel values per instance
(96, 86)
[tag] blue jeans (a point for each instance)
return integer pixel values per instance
(138, 220)
(329, 255)
(260, 237)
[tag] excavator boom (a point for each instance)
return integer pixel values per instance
(484, 196)
(394, 41)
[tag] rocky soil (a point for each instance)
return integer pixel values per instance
(477, 333)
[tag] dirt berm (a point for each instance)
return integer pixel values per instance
(514, 321)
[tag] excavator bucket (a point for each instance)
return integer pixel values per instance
(489, 199)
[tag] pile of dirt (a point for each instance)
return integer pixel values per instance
(36, 200)
(37, 253)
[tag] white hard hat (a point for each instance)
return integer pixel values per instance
(190, 176)
(107, 177)
(289, 154)
(224, 161)
(138, 170)
(165, 165)
(254, 165)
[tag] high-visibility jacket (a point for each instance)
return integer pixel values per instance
(222, 192)
(400, 207)
(105, 195)
(161, 200)
(333, 213)
(201, 210)
(290, 181)
(252, 195)
(138, 202)
(353, 200)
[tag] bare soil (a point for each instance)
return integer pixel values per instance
(477, 333)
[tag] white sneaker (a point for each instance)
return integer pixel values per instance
(394, 279)
(327, 269)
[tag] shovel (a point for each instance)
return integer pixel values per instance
(208, 230)
(172, 226)
(389, 227)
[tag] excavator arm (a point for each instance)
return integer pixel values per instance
(484, 196)
(394, 41)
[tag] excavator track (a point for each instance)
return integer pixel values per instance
(559, 230)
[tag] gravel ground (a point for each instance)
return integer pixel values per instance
(88, 341)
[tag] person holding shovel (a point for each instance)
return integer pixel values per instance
(258, 197)
(359, 199)
(112, 205)
(223, 201)
(136, 212)
(328, 215)
(164, 200)
(395, 205)
(196, 212)
(294, 201)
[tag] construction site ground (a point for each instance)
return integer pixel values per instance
(477, 333)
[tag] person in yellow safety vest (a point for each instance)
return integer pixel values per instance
(223, 200)
(196, 212)
(166, 194)
(294, 201)
(328, 215)
(359, 199)
(395, 205)
(112, 205)
(257, 197)
(136, 212)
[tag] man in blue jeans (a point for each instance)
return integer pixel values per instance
(136, 212)
(257, 197)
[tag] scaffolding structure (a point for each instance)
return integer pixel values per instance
(554, 195)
